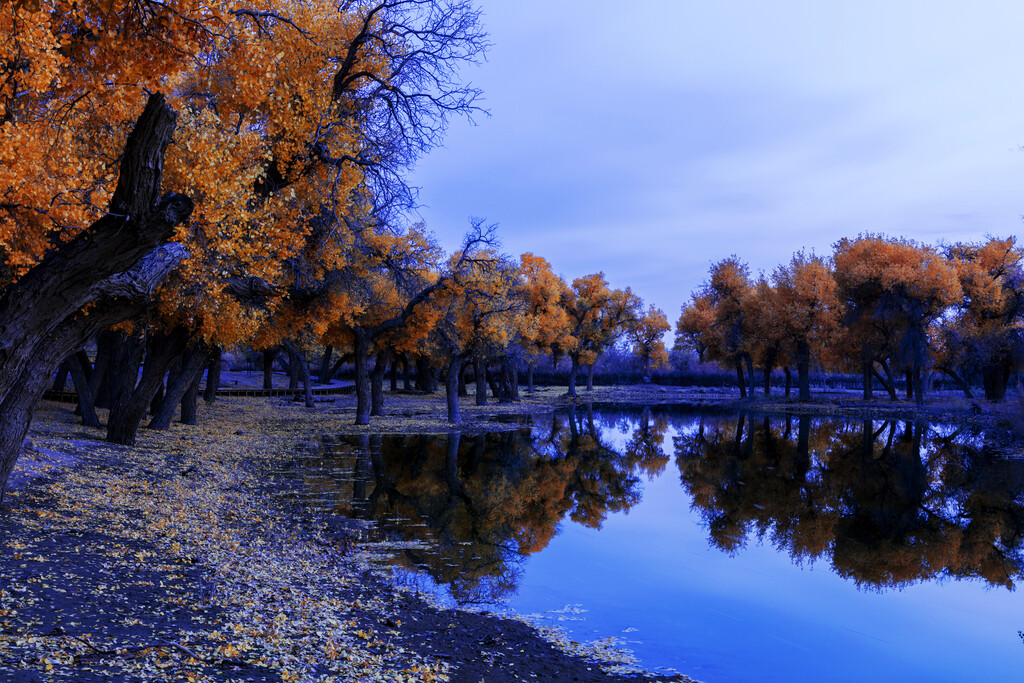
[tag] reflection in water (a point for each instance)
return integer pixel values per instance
(886, 503)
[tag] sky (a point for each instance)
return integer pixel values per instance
(650, 139)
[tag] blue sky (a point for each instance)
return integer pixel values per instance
(649, 139)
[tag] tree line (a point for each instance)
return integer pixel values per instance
(178, 178)
(879, 307)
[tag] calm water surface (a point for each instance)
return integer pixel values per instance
(727, 547)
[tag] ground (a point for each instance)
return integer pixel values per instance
(174, 560)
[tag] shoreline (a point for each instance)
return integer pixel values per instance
(172, 561)
(201, 574)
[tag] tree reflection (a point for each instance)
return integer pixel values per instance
(886, 503)
(482, 502)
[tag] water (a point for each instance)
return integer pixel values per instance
(728, 547)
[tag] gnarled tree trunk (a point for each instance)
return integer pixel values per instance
(131, 401)
(40, 314)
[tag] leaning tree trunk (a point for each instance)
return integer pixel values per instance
(739, 379)
(62, 376)
(129, 408)
(590, 377)
(40, 319)
(193, 360)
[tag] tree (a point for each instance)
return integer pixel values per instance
(768, 343)
(597, 317)
(648, 337)
(728, 339)
(894, 289)
(695, 327)
(479, 307)
(808, 311)
(984, 338)
(545, 321)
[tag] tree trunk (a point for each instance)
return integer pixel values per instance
(394, 374)
(590, 377)
(750, 373)
(789, 380)
(959, 380)
(129, 407)
(512, 373)
(424, 375)
(62, 376)
(480, 379)
(572, 375)
(268, 368)
(888, 381)
(361, 348)
(294, 374)
(300, 369)
(803, 368)
(377, 382)
(125, 359)
(767, 380)
(406, 373)
(193, 360)
(867, 368)
(323, 375)
(212, 377)
(909, 374)
(85, 404)
(462, 381)
(529, 377)
(189, 409)
(98, 382)
(918, 384)
(739, 379)
(451, 387)
(494, 383)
